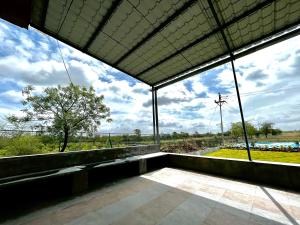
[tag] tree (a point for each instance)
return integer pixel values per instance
(251, 130)
(175, 135)
(266, 128)
(138, 134)
(196, 134)
(276, 131)
(237, 131)
(18, 124)
(65, 110)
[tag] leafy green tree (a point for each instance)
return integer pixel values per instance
(175, 135)
(266, 128)
(276, 131)
(138, 134)
(196, 134)
(18, 124)
(237, 131)
(251, 130)
(65, 110)
(184, 135)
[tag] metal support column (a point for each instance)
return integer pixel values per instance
(156, 117)
(241, 110)
(211, 6)
(153, 116)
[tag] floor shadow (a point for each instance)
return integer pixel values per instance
(288, 216)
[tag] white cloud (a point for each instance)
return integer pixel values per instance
(12, 96)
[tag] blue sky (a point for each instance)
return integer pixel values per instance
(269, 83)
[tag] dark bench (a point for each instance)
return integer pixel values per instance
(78, 174)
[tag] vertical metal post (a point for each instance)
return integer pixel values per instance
(156, 117)
(222, 130)
(153, 115)
(241, 110)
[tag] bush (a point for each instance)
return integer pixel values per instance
(3, 142)
(24, 145)
(180, 147)
(2, 153)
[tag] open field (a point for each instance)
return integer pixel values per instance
(34, 143)
(285, 136)
(286, 157)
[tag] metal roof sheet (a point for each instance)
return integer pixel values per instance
(159, 41)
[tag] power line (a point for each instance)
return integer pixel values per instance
(62, 57)
(210, 120)
(268, 91)
(63, 20)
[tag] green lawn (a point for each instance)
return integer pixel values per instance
(287, 157)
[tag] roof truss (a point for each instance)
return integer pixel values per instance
(160, 42)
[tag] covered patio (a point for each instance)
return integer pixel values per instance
(162, 42)
(158, 43)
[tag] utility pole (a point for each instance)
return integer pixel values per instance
(220, 102)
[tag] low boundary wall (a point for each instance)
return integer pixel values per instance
(281, 175)
(13, 166)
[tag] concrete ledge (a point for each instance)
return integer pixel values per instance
(94, 166)
(282, 175)
(13, 166)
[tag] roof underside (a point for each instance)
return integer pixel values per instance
(157, 41)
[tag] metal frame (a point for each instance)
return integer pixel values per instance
(86, 52)
(241, 110)
(153, 115)
(210, 34)
(44, 13)
(188, 72)
(114, 6)
(224, 58)
(157, 29)
(211, 6)
(156, 117)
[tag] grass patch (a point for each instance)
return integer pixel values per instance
(286, 157)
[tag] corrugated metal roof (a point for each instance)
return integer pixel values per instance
(155, 41)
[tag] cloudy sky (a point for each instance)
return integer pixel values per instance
(269, 85)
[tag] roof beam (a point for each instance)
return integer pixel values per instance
(114, 5)
(205, 66)
(157, 29)
(208, 35)
(185, 76)
(44, 13)
(212, 8)
(42, 29)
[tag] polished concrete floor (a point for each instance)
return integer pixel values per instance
(172, 196)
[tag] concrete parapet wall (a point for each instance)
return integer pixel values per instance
(12, 166)
(282, 175)
(274, 174)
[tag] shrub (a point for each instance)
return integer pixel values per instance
(24, 145)
(2, 153)
(180, 147)
(3, 142)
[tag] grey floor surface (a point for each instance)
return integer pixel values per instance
(172, 196)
